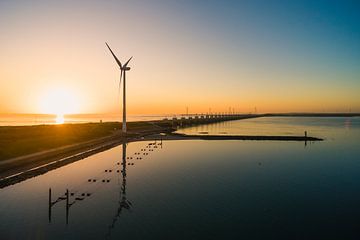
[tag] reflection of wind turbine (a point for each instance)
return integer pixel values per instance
(123, 202)
(123, 69)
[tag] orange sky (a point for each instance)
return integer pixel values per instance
(54, 60)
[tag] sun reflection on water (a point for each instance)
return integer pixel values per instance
(59, 119)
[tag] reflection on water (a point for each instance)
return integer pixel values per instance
(59, 119)
(198, 189)
(124, 203)
(77, 195)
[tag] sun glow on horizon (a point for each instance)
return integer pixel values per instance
(59, 101)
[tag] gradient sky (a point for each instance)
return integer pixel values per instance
(277, 56)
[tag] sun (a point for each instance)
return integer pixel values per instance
(59, 101)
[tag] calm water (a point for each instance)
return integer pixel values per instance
(202, 189)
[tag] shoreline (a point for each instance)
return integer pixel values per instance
(43, 162)
(18, 169)
(53, 163)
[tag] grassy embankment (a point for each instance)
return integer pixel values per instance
(16, 141)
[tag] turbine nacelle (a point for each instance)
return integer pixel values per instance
(122, 67)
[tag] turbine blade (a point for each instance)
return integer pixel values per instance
(116, 59)
(127, 62)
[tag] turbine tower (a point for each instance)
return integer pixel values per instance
(123, 69)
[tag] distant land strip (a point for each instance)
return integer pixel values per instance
(311, 115)
(179, 136)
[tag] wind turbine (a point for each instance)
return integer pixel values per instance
(123, 69)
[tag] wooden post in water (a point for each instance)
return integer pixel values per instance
(50, 205)
(67, 206)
